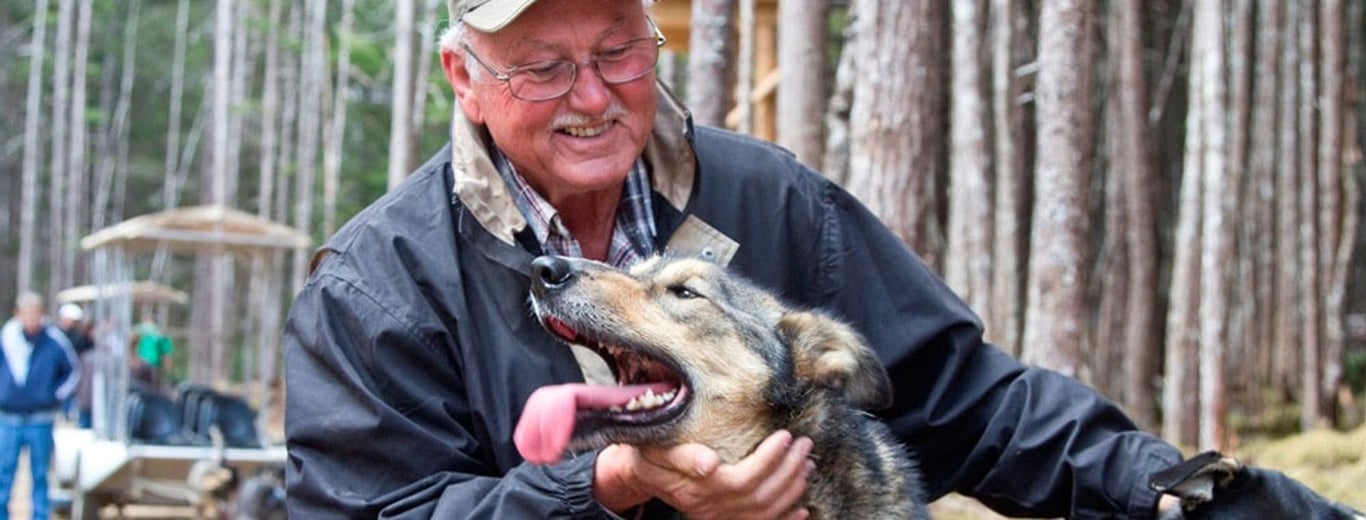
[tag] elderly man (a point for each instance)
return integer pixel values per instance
(411, 350)
(40, 371)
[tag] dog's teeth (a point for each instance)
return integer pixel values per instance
(646, 401)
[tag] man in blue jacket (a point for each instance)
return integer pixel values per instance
(411, 350)
(39, 372)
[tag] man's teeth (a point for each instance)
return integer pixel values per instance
(586, 131)
(646, 401)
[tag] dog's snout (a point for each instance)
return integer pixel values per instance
(551, 271)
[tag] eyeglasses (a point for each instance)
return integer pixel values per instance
(550, 79)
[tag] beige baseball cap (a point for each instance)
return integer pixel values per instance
(487, 15)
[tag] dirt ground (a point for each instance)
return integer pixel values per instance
(1331, 463)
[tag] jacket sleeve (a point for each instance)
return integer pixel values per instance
(375, 410)
(69, 365)
(1023, 440)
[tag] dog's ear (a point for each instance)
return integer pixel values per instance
(833, 355)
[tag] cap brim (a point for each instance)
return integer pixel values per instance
(493, 16)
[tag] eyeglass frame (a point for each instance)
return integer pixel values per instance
(506, 76)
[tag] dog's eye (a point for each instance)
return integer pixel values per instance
(682, 292)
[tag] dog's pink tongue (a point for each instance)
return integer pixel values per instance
(547, 421)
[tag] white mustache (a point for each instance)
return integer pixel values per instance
(613, 111)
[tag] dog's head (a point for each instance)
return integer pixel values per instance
(722, 360)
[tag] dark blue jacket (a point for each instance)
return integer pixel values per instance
(52, 375)
(411, 349)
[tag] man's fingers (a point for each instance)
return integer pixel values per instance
(767, 457)
(693, 460)
(785, 484)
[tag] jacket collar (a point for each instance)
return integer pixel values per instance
(484, 194)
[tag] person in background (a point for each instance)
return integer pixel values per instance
(39, 372)
(151, 354)
(410, 352)
(71, 318)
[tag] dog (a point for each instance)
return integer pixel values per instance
(701, 355)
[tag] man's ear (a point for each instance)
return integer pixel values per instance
(453, 62)
(832, 355)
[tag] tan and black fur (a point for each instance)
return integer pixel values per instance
(748, 365)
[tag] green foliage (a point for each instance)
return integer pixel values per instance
(1354, 369)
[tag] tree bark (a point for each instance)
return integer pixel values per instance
(1208, 69)
(61, 117)
(896, 150)
(1287, 213)
(312, 76)
(401, 108)
(1311, 294)
(270, 113)
(1008, 32)
(1260, 216)
(1132, 191)
(801, 94)
(1180, 392)
(1055, 313)
(28, 205)
(333, 142)
(967, 256)
(1334, 244)
(835, 164)
(113, 176)
(711, 46)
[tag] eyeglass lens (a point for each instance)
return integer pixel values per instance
(553, 78)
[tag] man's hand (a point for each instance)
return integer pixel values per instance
(690, 477)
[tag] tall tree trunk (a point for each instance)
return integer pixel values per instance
(1180, 392)
(1260, 216)
(711, 46)
(967, 255)
(742, 117)
(400, 118)
(1009, 23)
(209, 363)
(112, 171)
(835, 164)
(896, 152)
(333, 142)
(1131, 168)
(291, 69)
(1288, 181)
(169, 187)
(77, 172)
(1334, 244)
(801, 91)
(270, 112)
(61, 117)
(1311, 296)
(1240, 357)
(1216, 220)
(312, 76)
(244, 51)
(28, 205)
(422, 86)
(1055, 313)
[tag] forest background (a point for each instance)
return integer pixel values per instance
(1160, 197)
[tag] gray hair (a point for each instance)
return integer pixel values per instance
(28, 300)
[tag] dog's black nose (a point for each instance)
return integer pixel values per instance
(551, 271)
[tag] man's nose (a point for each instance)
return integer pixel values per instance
(589, 93)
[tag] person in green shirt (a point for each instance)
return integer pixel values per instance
(153, 350)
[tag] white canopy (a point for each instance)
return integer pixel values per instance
(197, 228)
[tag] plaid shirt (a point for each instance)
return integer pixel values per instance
(632, 237)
